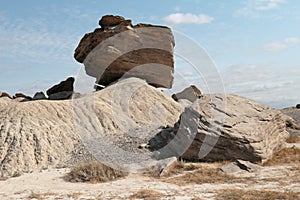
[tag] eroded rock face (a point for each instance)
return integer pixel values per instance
(210, 131)
(119, 49)
(38, 134)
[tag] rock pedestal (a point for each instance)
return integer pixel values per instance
(120, 50)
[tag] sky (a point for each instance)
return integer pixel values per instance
(254, 45)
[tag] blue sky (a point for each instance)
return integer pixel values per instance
(254, 44)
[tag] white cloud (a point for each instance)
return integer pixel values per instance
(188, 18)
(275, 46)
(292, 40)
(264, 5)
(279, 46)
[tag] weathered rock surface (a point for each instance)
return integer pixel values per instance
(39, 96)
(62, 91)
(120, 49)
(211, 131)
(37, 134)
(191, 93)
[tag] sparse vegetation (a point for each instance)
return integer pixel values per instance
(37, 196)
(237, 194)
(293, 139)
(74, 195)
(16, 174)
(285, 156)
(93, 172)
(180, 167)
(202, 175)
(147, 194)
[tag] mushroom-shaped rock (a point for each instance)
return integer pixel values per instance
(121, 50)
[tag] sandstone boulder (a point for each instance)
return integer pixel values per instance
(224, 128)
(191, 93)
(63, 90)
(120, 49)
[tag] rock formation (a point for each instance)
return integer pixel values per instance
(61, 91)
(210, 131)
(191, 93)
(37, 134)
(20, 95)
(4, 94)
(119, 49)
(39, 96)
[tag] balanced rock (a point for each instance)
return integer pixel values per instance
(224, 128)
(61, 91)
(119, 50)
(191, 93)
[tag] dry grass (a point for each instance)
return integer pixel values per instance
(147, 194)
(93, 172)
(74, 195)
(293, 139)
(202, 175)
(37, 196)
(285, 156)
(178, 168)
(237, 194)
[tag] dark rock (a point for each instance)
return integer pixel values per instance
(19, 95)
(191, 93)
(110, 20)
(4, 94)
(39, 96)
(298, 106)
(61, 95)
(64, 88)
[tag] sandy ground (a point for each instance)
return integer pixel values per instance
(49, 184)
